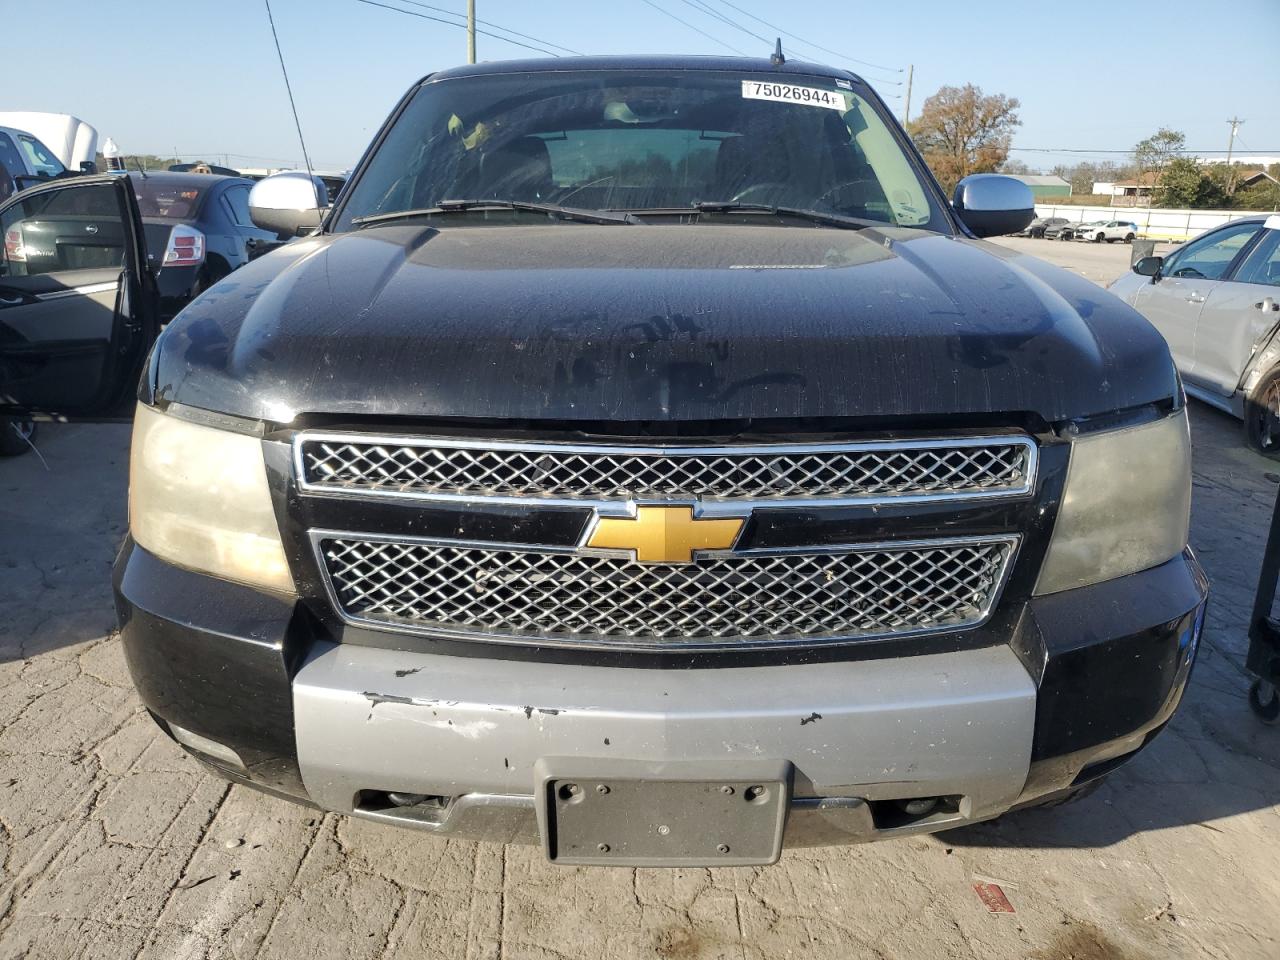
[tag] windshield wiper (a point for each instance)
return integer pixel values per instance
(799, 213)
(575, 214)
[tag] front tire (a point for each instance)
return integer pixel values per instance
(1265, 703)
(16, 436)
(1129, 238)
(1099, 238)
(1262, 416)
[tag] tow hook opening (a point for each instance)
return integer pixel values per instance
(908, 811)
(423, 807)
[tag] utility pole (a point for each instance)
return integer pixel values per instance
(1231, 142)
(906, 113)
(471, 31)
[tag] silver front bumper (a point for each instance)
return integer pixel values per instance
(475, 730)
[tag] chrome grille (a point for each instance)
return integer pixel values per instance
(723, 598)
(430, 468)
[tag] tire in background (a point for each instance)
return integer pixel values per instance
(1262, 415)
(16, 436)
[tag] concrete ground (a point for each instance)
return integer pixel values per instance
(115, 845)
(1099, 262)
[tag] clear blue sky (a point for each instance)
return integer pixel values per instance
(202, 79)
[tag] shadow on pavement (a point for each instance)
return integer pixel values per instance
(62, 520)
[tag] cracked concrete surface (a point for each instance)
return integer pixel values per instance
(113, 844)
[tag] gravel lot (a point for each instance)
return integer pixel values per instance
(115, 845)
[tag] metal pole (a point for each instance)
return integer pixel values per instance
(1231, 142)
(906, 113)
(471, 31)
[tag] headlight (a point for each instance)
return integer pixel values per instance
(198, 498)
(1126, 507)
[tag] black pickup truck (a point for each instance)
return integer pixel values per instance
(641, 458)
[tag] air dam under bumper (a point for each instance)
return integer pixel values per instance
(482, 732)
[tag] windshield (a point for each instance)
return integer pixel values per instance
(40, 158)
(645, 140)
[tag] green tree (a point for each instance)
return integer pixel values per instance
(962, 131)
(1156, 152)
(1185, 183)
(1261, 196)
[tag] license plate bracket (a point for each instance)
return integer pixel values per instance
(623, 820)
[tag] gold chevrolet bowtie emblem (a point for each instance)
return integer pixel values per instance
(665, 534)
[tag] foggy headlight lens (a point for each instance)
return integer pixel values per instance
(198, 498)
(1126, 507)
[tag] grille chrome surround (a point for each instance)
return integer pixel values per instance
(603, 598)
(714, 478)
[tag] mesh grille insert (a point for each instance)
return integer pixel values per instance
(941, 468)
(719, 599)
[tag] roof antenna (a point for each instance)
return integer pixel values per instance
(306, 157)
(778, 59)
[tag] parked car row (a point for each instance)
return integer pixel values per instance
(1098, 231)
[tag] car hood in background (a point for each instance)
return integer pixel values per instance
(576, 322)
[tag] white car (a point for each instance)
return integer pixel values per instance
(1216, 300)
(1109, 230)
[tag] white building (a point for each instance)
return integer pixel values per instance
(1245, 160)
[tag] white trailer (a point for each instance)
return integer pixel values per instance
(69, 138)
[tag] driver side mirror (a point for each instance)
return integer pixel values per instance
(88, 166)
(288, 204)
(1149, 266)
(992, 205)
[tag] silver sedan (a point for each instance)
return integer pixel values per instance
(1216, 300)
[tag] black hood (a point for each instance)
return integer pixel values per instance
(576, 322)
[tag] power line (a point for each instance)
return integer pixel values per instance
(306, 157)
(496, 26)
(462, 26)
(701, 6)
(816, 46)
(713, 39)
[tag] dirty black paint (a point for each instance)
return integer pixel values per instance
(811, 718)
(184, 635)
(574, 322)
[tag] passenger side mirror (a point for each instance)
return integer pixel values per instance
(992, 205)
(1149, 266)
(88, 166)
(288, 204)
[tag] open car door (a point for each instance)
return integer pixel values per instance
(78, 300)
